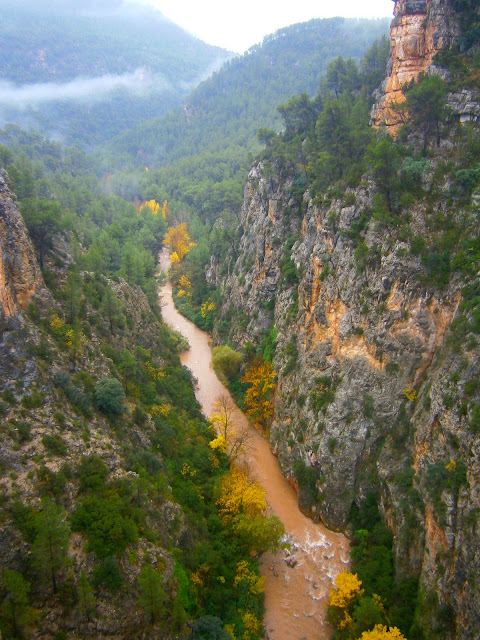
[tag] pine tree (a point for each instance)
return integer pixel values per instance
(50, 548)
(151, 594)
(85, 596)
(15, 604)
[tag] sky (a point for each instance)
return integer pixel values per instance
(238, 25)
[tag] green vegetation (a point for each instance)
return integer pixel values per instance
(56, 42)
(97, 281)
(388, 597)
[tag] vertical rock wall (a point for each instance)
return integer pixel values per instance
(418, 31)
(20, 275)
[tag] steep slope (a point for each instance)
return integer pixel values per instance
(366, 291)
(418, 31)
(65, 69)
(20, 276)
(109, 524)
(226, 110)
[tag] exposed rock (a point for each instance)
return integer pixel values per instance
(418, 31)
(353, 341)
(20, 275)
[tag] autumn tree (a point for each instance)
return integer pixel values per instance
(165, 211)
(233, 437)
(50, 548)
(75, 341)
(151, 593)
(342, 596)
(258, 397)
(178, 240)
(380, 632)
(151, 205)
(240, 494)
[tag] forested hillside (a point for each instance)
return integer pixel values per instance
(353, 275)
(338, 272)
(204, 148)
(52, 52)
(117, 515)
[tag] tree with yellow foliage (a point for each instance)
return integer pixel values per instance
(259, 406)
(242, 508)
(240, 494)
(150, 204)
(75, 341)
(165, 211)
(247, 577)
(184, 287)
(178, 240)
(233, 438)
(347, 589)
(380, 632)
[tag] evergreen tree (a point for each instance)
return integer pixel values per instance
(14, 607)
(426, 102)
(50, 548)
(42, 218)
(85, 596)
(151, 593)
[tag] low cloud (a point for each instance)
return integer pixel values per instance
(80, 89)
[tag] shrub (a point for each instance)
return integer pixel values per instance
(108, 575)
(110, 397)
(77, 397)
(93, 473)
(32, 401)
(54, 445)
(226, 361)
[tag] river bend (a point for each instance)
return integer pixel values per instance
(297, 582)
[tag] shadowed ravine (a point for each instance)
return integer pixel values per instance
(295, 591)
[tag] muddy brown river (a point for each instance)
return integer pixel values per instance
(297, 581)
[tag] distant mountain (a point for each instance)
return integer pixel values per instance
(201, 149)
(228, 108)
(84, 71)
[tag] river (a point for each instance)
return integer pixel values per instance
(297, 582)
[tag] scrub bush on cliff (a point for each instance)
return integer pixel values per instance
(110, 397)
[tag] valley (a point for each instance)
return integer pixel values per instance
(298, 580)
(316, 203)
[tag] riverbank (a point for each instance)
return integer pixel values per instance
(297, 582)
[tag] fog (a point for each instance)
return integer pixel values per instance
(83, 89)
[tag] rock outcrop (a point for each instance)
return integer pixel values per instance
(369, 377)
(419, 30)
(20, 275)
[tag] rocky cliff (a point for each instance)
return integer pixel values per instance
(20, 275)
(375, 387)
(418, 31)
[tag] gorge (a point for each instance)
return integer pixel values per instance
(297, 584)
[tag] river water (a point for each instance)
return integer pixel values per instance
(297, 582)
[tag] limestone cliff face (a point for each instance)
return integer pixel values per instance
(418, 31)
(20, 275)
(355, 336)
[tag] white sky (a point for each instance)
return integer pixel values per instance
(239, 25)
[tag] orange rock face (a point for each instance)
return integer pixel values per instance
(20, 275)
(419, 30)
